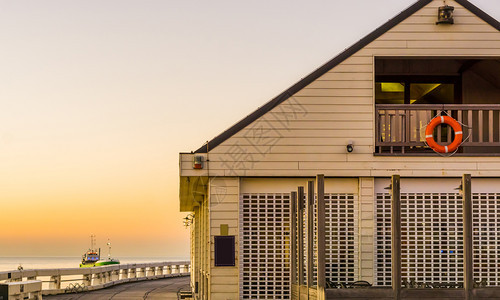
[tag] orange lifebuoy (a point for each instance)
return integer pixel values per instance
(430, 139)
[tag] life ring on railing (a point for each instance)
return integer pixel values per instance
(456, 128)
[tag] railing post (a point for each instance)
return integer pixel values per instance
(116, 275)
(467, 216)
(293, 238)
(123, 273)
(396, 235)
(55, 282)
(96, 280)
(321, 235)
(132, 273)
(310, 234)
(300, 236)
(87, 280)
(168, 269)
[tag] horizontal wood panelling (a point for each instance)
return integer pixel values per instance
(347, 76)
(221, 208)
(303, 149)
(335, 92)
(303, 141)
(299, 100)
(223, 216)
(274, 128)
(323, 116)
(440, 36)
(460, 19)
(433, 28)
(455, 44)
(301, 114)
(381, 44)
(433, 52)
(290, 157)
(342, 68)
(222, 280)
(332, 84)
(358, 60)
(228, 190)
(260, 165)
(318, 132)
(231, 231)
(230, 222)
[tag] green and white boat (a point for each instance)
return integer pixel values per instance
(92, 257)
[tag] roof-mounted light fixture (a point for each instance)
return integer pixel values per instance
(445, 15)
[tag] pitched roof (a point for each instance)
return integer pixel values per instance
(334, 62)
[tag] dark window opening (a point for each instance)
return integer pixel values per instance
(224, 251)
(417, 90)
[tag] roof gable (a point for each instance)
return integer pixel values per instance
(334, 62)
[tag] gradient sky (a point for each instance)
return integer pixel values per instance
(99, 97)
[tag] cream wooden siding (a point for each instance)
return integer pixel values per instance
(224, 205)
(307, 133)
(366, 229)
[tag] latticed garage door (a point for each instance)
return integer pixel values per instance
(265, 243)
(264, 246)
(486, 238)
(431, 238)
(432, 233)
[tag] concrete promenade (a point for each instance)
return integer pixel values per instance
(149, 289)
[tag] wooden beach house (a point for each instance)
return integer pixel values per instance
(264, 225)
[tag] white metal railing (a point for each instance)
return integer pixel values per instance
(58, 281)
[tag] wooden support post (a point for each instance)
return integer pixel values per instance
(293, 238)
(310, 234)
(320, 235)
(467, 215)
(396, 235)
(300, 233)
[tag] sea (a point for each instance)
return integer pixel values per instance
(12, 263)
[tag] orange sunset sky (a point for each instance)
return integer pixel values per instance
(99, 97)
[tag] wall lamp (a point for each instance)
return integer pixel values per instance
(350, 147)
(188, 220)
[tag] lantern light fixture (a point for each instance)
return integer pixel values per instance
(445, 15)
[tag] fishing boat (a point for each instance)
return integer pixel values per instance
(92, 258)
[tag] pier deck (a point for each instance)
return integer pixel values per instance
(150, 289)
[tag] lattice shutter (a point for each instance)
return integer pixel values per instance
(486, 238)
(265, 244)
(341, 224)
(432, 238)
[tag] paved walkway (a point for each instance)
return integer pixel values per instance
(149, 289)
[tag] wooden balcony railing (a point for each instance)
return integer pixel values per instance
(400, 128)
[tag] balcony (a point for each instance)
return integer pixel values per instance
(400, 128)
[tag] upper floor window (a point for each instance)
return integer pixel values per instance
(417, 89)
